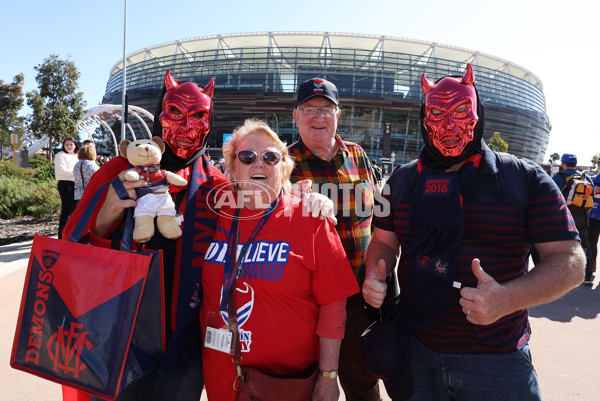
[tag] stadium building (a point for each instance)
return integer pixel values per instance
(378, 78)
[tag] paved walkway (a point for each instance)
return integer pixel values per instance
(564, 347)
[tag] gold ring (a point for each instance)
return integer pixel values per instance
(468, 312)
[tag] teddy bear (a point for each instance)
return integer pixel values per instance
(145, 156)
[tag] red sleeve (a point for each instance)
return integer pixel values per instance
(332, 320)
(105, 174)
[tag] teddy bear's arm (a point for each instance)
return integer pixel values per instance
(132, 175)
(175, 179)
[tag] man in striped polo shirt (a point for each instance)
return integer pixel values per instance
(463, 217)
(340, 170)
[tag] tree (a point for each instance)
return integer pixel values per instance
(553, 157)
(57, 106)
(497, 143)
(11, 101)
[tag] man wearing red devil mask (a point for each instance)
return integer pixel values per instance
(184, 115)
(183, 120)
(464, 237)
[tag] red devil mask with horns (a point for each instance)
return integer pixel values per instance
(450, 112)
(186, 115)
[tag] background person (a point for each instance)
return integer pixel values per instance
(594, 221)
(465, 288)
(295, 279)
(580, 216)
(219, 165)
(324, 158)
(84, 169)
(377, 172)
(64, 162)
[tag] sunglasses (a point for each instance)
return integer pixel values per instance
(269, 157)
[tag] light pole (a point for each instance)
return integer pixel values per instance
(14, 139)
(123, 103)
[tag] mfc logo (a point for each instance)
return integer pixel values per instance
(65, 348)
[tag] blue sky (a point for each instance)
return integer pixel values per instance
(557, 42)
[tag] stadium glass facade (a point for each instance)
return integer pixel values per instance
(378, 79)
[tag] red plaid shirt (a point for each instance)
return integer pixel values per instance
(349, 182)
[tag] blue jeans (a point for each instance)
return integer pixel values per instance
(472, 377)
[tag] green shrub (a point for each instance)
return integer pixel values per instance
(44, 168)
(47, 199)
(8, 168)
(19, 197)
(5, 213)
(14, 196)
(45, 172)
(36, 160)
(28, 191)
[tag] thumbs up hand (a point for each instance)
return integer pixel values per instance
(374, 287)
(482, 305)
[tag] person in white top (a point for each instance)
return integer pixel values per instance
(64, 162)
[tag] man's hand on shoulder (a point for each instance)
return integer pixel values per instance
(313, 203)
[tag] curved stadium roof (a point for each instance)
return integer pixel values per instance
(377, 76)
(376, 44)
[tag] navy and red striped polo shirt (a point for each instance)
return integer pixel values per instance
(496, 233)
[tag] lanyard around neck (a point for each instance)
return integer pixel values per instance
(233, 266)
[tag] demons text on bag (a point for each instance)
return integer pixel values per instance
(64, 346)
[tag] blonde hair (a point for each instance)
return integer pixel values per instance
(86, 152)
(253, 126)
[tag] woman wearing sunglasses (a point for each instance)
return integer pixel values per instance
(291, 279)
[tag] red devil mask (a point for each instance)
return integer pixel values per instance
(450, 112)
(186, 115)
